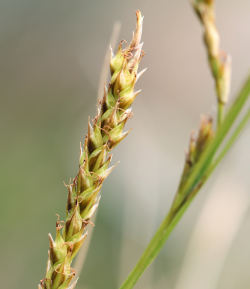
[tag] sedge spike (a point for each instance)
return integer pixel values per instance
(219, 60)
(103, 135)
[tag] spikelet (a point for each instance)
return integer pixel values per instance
(103, 135)
(219, 61)
(197, 146)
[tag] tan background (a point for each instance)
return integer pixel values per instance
(51, 57)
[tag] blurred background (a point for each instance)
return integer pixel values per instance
(52, 55)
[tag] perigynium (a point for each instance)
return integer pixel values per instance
(103, 135)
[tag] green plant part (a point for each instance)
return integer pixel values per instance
(207, 151)
(197, 146)
(105, 133)
(219, 61)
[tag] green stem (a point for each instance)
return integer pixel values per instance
(202, 171)
(220, 115)
(230, 142)
(209, 153)
(151, 251)
(156, 244)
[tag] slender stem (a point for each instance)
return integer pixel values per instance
(171, 219)
(151, 251)
(201, 173)
(209, 153)
(220, 115)
(230, 142)
(156, 244)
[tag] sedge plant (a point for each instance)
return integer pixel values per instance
(205, 151)
(95, 156)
